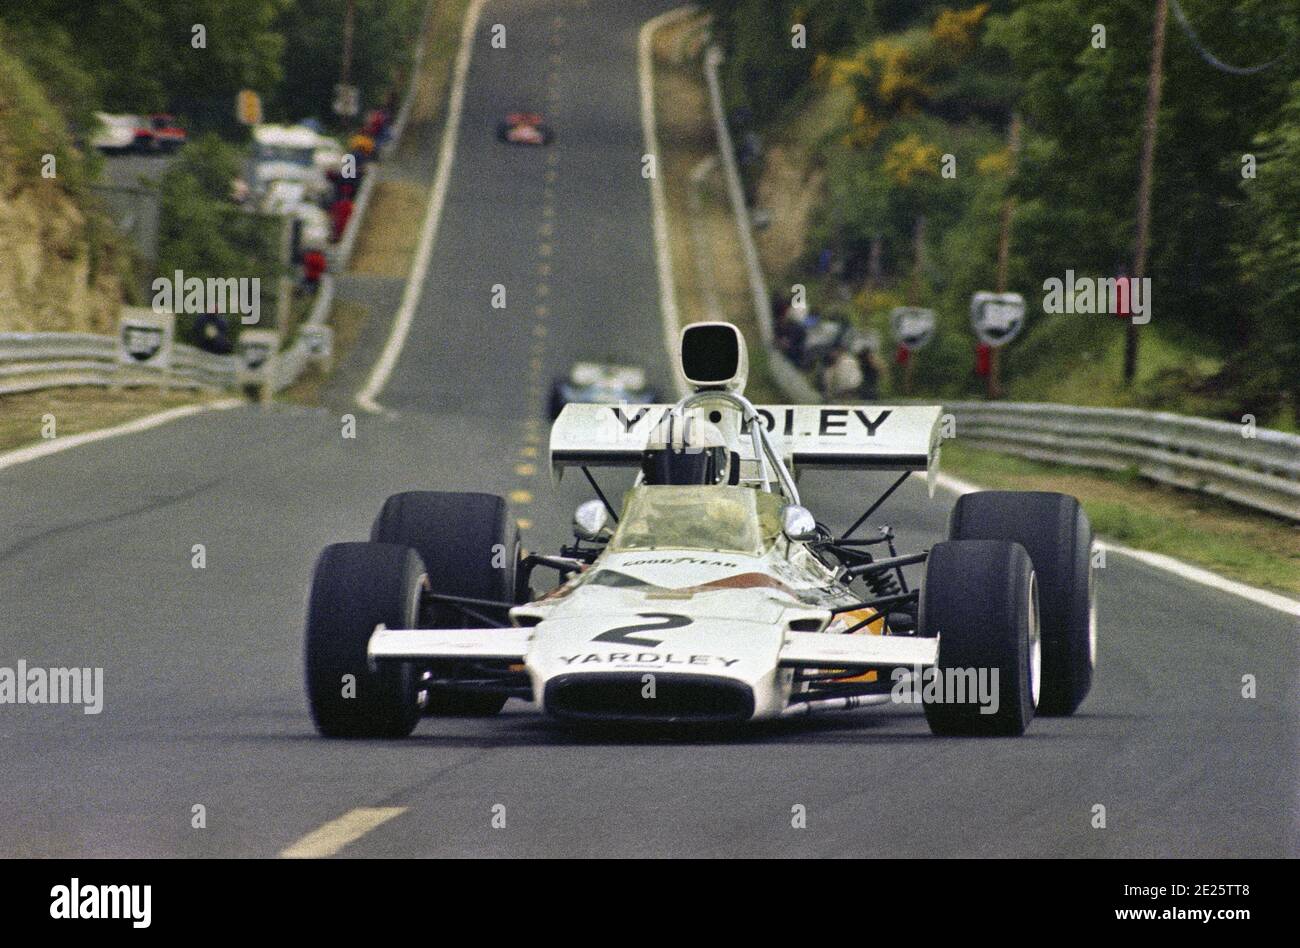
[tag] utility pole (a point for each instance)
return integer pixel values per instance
(1143, 241)
(914, 294)
(1004, 254)
(348, 15)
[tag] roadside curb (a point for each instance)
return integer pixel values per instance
(46, 448)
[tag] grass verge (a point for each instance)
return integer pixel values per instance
(1252, 548)
(347, 317)
(79, 409)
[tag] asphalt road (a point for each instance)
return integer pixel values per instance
(204, 702)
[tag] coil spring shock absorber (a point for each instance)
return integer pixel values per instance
(882, 584)
(890, 583)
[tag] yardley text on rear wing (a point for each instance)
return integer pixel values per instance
(852, 437)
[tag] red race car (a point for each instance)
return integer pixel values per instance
(524, 128)
(166, 134)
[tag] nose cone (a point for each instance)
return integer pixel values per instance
(649, 640)
(655, 666)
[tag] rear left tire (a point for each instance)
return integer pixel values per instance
(470, 547)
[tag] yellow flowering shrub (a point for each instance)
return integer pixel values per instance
(954, 30)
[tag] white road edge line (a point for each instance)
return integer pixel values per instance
(55, 445)
(671, 320)
(334, 835)
(658, 203)
(1169, 564)
(383, 368)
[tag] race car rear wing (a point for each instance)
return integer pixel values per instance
(848, 437)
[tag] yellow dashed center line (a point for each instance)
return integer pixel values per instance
(334, 835)
(525, 470)
(521, 496)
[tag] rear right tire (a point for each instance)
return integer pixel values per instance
(1055, 531)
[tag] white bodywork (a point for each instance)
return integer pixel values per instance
(684, 612)
(116, 132)
(699, 591)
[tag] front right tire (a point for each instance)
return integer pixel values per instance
(355, 588)
(980, 599)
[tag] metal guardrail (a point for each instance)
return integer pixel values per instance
(1257, 468)
(36, 360)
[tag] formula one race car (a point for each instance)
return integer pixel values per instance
(524, 128)
(712, 595)
(592, 383)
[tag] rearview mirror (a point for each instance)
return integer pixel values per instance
(591, 521)
(798, 523)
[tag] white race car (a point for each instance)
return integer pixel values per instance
(713, 595)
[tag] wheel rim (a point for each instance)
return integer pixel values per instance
(1092, 617)
(1035, 642)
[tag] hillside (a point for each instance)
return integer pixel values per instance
(61, 262)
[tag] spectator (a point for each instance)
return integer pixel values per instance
(790, 336)
(340, 214)
(212, 333)
(362, 146)
(313, 268)
(840, 376)
(870, 365)
(376, 126)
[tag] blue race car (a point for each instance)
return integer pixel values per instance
(602, 384)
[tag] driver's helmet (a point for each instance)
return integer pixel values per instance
(685, 450)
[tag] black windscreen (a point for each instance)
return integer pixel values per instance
(710, 353)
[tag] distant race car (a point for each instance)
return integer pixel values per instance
(120, 133)
(524, 128)
(165, 133)
(123, 133)
(591, 382)
(712, 595)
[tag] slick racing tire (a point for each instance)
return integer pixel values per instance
(470, 548)
(555, 403)
(1055, 531)
(980, 599)
(357, 586)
